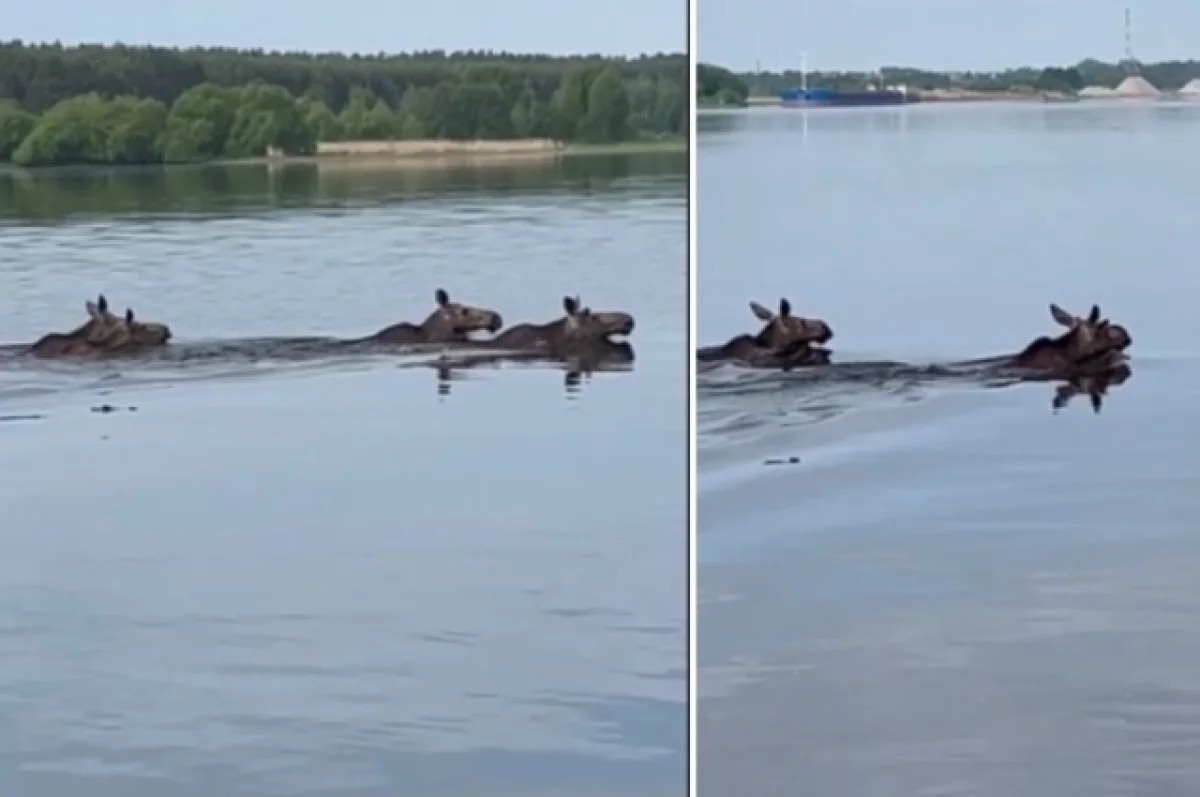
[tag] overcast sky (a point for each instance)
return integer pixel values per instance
(627, 27)
(941, 34)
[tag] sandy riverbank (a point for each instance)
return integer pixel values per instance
(434, 149)
(436, 153)
(429, 154)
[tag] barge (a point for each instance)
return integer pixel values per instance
(833, 98)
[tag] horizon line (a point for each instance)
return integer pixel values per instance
(945, 71)
(378, 54)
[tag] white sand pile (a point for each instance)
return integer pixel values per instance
(1136, 86)
(1192, 87)
(1096, 91)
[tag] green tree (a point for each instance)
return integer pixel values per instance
(321, 119)
(670, 108)
(135, 129)
(433, 94)
(607, 115)
(416, 112)
(353, 117)
(73, 131)
(269, 117)
(570, 103)
(712, 81)
(479, 110)
(199, 123)
(15, 125)
(380, 123)
(507, 80)
(521, 115)
(43, 74)
(1053, 78)
(643, 96)
(439, 118)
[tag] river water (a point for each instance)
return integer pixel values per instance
(947, 588)
(344, 576)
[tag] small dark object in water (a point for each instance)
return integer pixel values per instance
(788, 461)
(29, 417)
(107, 408)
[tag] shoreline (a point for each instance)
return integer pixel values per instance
(939, 97)
(420, 154)
(945, 97)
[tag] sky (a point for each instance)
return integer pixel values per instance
(616, 27)
(845, 35)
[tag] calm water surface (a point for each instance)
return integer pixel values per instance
(954, 590)
(343, 577)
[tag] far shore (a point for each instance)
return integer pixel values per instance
(944, 96)
(419, 154)
(937, 95)
(441, 154)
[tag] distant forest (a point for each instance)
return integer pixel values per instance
(125, 104)
(1168, 76)
(717, 86)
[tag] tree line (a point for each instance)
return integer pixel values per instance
(119, 104)
(717, 86)
(1166, 75)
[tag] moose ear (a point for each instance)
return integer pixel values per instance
(570, 305)
(1062, 316)
(785, 308)
(761, 312)
(128, 315)
(92, 310)
(102, 304)
(441, 297)
(1094, 316)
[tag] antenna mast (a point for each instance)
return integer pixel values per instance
(1131, 64)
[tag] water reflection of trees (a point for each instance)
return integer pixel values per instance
(225, 189)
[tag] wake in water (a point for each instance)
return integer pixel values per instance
(732, 399)
(994, 372)
(582, 338)
(1089, 357)
(23, 377)
(786, 343)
